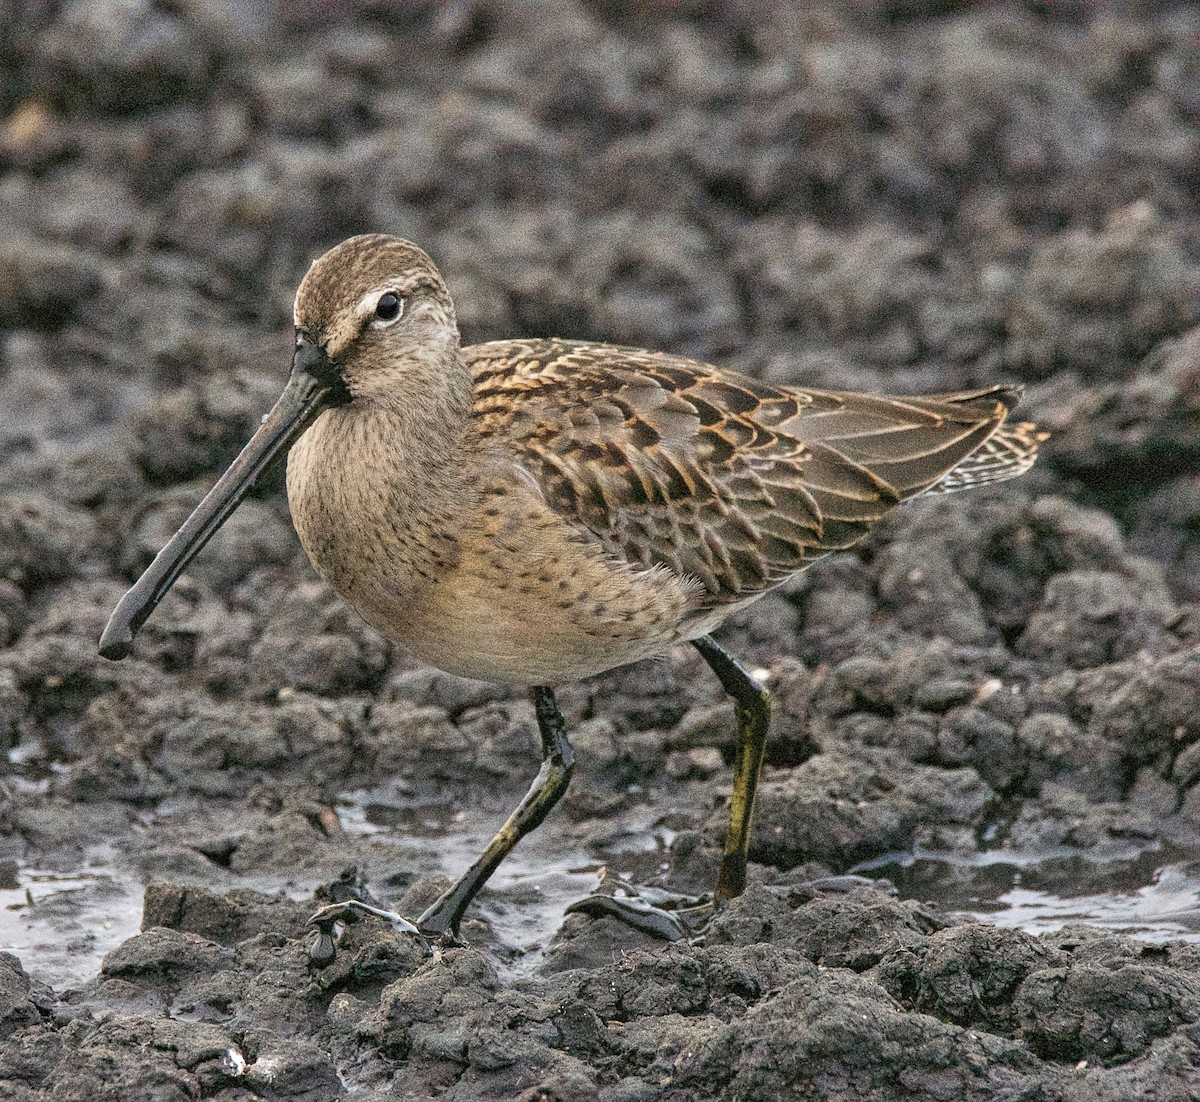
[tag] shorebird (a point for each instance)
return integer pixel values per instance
(537, 511)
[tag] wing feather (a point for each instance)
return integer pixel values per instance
(722, 478)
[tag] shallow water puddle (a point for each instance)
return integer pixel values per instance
(1152, 894)
(1165, 909)
(60, 925)
(526, 896)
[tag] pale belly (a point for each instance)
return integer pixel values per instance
(515, 595)
(502, 622)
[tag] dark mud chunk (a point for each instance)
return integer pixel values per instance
(757, 915)
(255, 537)
(89, 209)
(63, 830)
(38, 406)
(94, 476)
(652, 282)
(975, 102)
(41, 540)
(1165, 526)
(1088, 618)
(402, 737)
(841, 930)
(615, 769)
(1147, 707)
(162, 317)
(857, 930)
(136, 741)
(649, 171)
(372, 954)
(967, 975)
(114, 772)
(44, 285)
(69, 631)
(933, 677)
(920, 585)
(1056, 748)
(17, 1009)
(940, 694)
(1104, 1010)
(223, 218)
(706, 725)
(416, 1011)
(1091, 301)
(649, 984)
(1062, 816)
(842, 808)
(290, 1067)
(223, 748)
(121, 1056)
(836, 622)
(1124, 435)
(121, 55)
(59, 676)
(1019, 548)
(224, 918)
(301, 98)
(721, 980)
(854, 289)
(314, 644)
(643, 697)
(847, 1037)
(176, 142)
(159, 955)
(792, 741)
(972, 736)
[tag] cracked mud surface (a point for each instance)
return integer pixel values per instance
(918, 197)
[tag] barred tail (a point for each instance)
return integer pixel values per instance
(1010, 451)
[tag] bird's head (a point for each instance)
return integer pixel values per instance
(374, 317)
(374, 324)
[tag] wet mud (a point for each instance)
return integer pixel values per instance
(991, 704)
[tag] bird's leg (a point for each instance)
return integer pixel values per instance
(752, 706)
(441, 920)
(558, 762)
(657, 913)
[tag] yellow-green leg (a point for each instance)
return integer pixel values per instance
(752, 706)
(558, 762)
(441, 920)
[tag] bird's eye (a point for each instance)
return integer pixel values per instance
(389, 308)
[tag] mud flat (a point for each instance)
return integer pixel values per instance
(993, 703)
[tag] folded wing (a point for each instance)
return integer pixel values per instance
(726, 479)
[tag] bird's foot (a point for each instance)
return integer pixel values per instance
(331, 922)
(661, 914)
(674, 917)
(837, 884)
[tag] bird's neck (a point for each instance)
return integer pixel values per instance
(383, 483)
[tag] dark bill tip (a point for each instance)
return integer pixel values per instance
(116, 642)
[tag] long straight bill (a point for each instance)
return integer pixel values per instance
(311, 389)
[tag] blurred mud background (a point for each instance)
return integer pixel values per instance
(993, 703)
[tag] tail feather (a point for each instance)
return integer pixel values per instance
(1007, 394)
(1010, 451)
